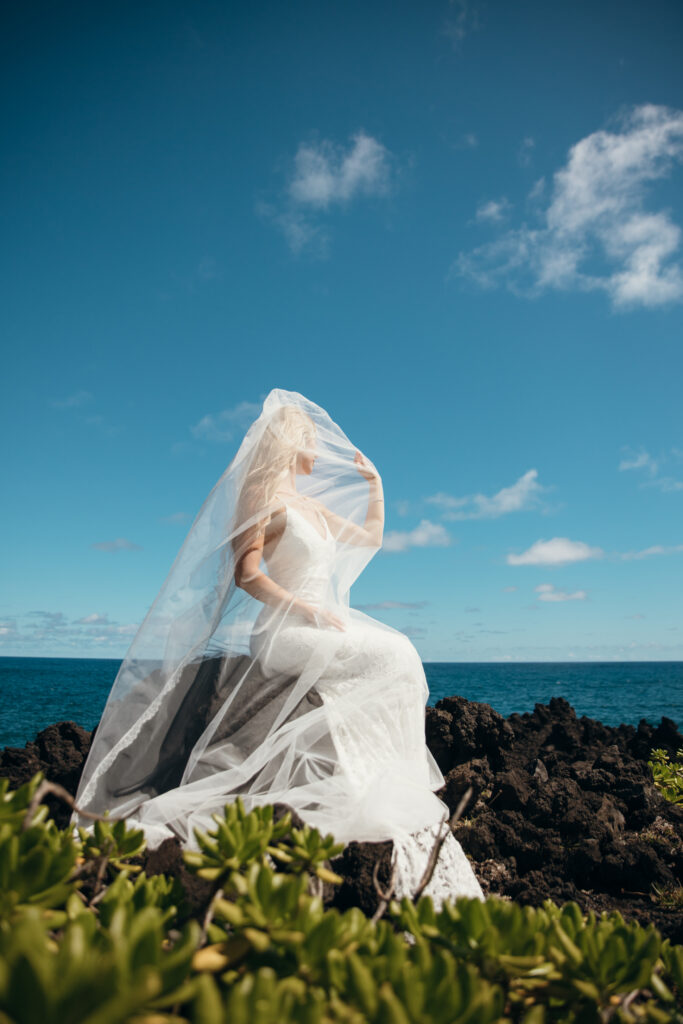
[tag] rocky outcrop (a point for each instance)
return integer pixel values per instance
(60, 752)
(562, 807)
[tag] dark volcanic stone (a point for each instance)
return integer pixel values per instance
(356, 865)
(439, 738)
(167, 859)
(562, 808)
(476, 774)
(476, 731)
(59, 751)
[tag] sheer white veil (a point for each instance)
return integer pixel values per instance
(198, 714)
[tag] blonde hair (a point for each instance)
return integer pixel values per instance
(288, 431)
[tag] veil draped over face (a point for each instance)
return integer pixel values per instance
(223, 693)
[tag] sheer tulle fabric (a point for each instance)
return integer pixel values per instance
(221, 694)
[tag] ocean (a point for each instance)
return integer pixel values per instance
(35, 692)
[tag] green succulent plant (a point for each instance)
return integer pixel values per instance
(668, 774)
(263, 948)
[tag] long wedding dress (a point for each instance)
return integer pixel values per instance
(274, 708)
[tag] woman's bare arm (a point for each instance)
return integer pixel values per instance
(370, 533)
(250, 578)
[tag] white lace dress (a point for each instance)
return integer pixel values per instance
(373, 689)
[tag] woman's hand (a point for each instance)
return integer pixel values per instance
(321, 616)
(365, 467)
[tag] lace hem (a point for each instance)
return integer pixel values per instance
(453, 875)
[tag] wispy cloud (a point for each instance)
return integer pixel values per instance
(222, 426)
(493, 211)
(425, 535)
(176, 518)
(642, 460)
(463, 18)
(51, 619)
(413, 632)
(523, 494)
(557, 551)
(596, 209)
(327, 175)
(656, 549)
(547, 592)
(563, 551)
(94, 632)
(73, 401)
(120, 544)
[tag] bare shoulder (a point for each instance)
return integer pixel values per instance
(322, 508)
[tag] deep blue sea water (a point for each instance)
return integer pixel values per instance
(35, 692)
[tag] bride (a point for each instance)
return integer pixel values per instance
(252, 676)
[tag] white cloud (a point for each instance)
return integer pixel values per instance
(222, 426)
(301, 233)
(510, 590)
(425, 535)
(120, 544)
(324, 175)
(643, 460)
(494, 210)
(547, 592)
(537, 190)
(523, 494)
(656, 549)
(557, 551)
(55, 631)
(664, 483)
(596, 209)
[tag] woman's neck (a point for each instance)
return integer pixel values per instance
(289, 482)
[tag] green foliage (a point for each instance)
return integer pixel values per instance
(114, 841)
(91, 974)
(668, 774)
(553, 956)
(242, 838)
(35, 862)
(158, 891)
(264, 950)
(238, 839)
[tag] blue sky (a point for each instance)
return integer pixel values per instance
(454, 225)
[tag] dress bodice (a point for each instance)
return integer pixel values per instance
(303, 558)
